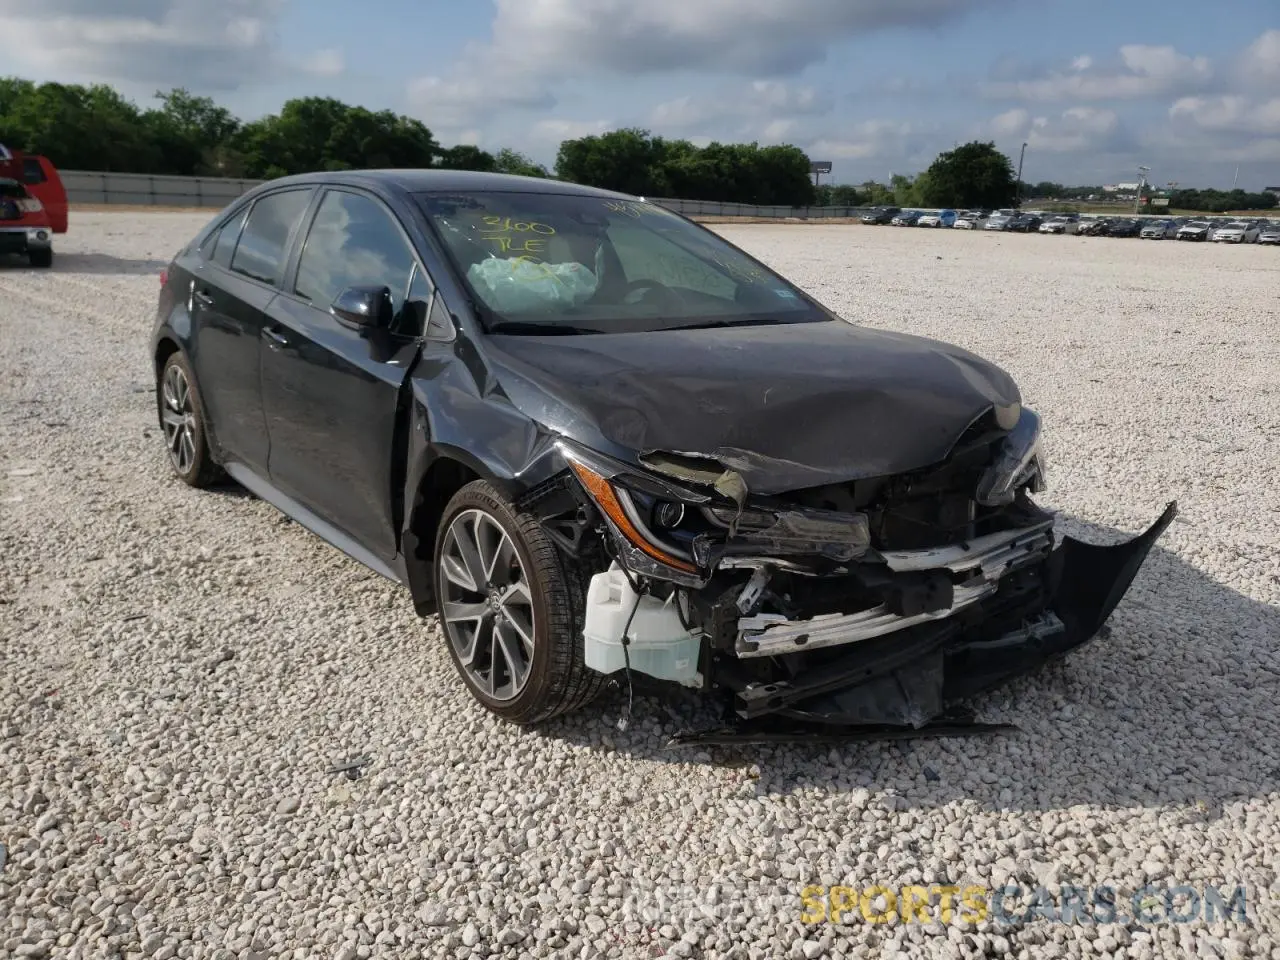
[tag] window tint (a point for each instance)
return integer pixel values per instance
(599, 265)
(260, 253)
(646, 255)
(225, 245)
(353, 243)
(32, 171)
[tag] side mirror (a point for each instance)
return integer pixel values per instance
(369, 308)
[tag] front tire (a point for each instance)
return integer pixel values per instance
(183, 426)
(41, 258)
(510, 609)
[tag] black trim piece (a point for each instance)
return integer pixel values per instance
(320, 527)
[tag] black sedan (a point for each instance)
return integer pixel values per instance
(601, 442)
(879, 216)
(1125, 227)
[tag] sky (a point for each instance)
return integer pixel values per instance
(1094, 88)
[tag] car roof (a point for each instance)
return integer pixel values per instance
(431, 181)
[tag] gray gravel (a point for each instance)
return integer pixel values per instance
(183, 673)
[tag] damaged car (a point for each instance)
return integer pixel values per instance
(604, 444)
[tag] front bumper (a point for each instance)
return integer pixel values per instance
(908, 677)
(25, 239)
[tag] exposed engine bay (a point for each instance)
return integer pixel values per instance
(877, 601)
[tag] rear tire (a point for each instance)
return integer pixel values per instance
(182, 425)
(511, 609)
(41, 258)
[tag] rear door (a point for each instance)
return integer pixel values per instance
(331, 391)
(230, 291)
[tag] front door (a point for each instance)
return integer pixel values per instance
(331, 392)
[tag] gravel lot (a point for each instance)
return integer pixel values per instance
(180, 671)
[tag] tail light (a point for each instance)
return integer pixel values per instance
(30, 205)
(164, 277)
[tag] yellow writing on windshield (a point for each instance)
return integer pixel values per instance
(516, 236)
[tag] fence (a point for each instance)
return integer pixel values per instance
(86, 186)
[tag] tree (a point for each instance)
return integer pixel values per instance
(510, 161)
(972, 175)
(628, 160)
(466, 156)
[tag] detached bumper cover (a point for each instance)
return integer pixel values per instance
(908, 678)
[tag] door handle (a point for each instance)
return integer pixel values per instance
(202, 298)
(275, 336)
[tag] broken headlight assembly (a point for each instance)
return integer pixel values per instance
(1019, 462)
(677, 533)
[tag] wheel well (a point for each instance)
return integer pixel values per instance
(443, 479)
(164, 350)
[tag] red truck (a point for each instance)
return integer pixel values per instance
(33, 206)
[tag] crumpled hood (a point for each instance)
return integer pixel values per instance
(787, 406)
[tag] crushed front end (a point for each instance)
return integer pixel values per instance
(877, 602)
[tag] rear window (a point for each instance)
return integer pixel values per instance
(12, 190)
(260, 254)
(592, 264)
(33, 170)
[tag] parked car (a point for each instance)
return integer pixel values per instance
(968, 220)
(880, 215)
(1237, 231)
(560, 416)
(1024, 223)
(1194, 230)
(1096, 227)
(1160, 229)
(1066, 223)
(943, 218)
(999, 220)
(1124, 227)
(42, 181)
(1269, 232)
(907, 218)
(25, 228)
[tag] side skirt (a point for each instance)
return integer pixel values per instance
(320, 527)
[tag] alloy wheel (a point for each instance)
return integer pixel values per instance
(486, 604)
(178, 418)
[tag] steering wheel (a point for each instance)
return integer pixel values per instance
(647, 284)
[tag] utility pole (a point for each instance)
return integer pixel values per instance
(1236, 179)
(1017, 200)
(1142, 182)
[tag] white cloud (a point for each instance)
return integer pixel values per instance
(541, 42)
(207, 46)
(1078, 129)
(553, 131)
(871, 139)
(1141, 72)
(763, 109)
(324, 63)
(1260, 62)
(455, 104)
(1230, 113)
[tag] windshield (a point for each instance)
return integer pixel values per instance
(564, 263)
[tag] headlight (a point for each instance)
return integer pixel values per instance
(1017, 461)
(601, 479)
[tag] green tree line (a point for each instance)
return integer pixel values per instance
(96, 128)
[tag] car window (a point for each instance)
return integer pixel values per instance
(354, 242)
(223, 245)
(646, 255)
(260, 254)
(597, 264)
(32, 170)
